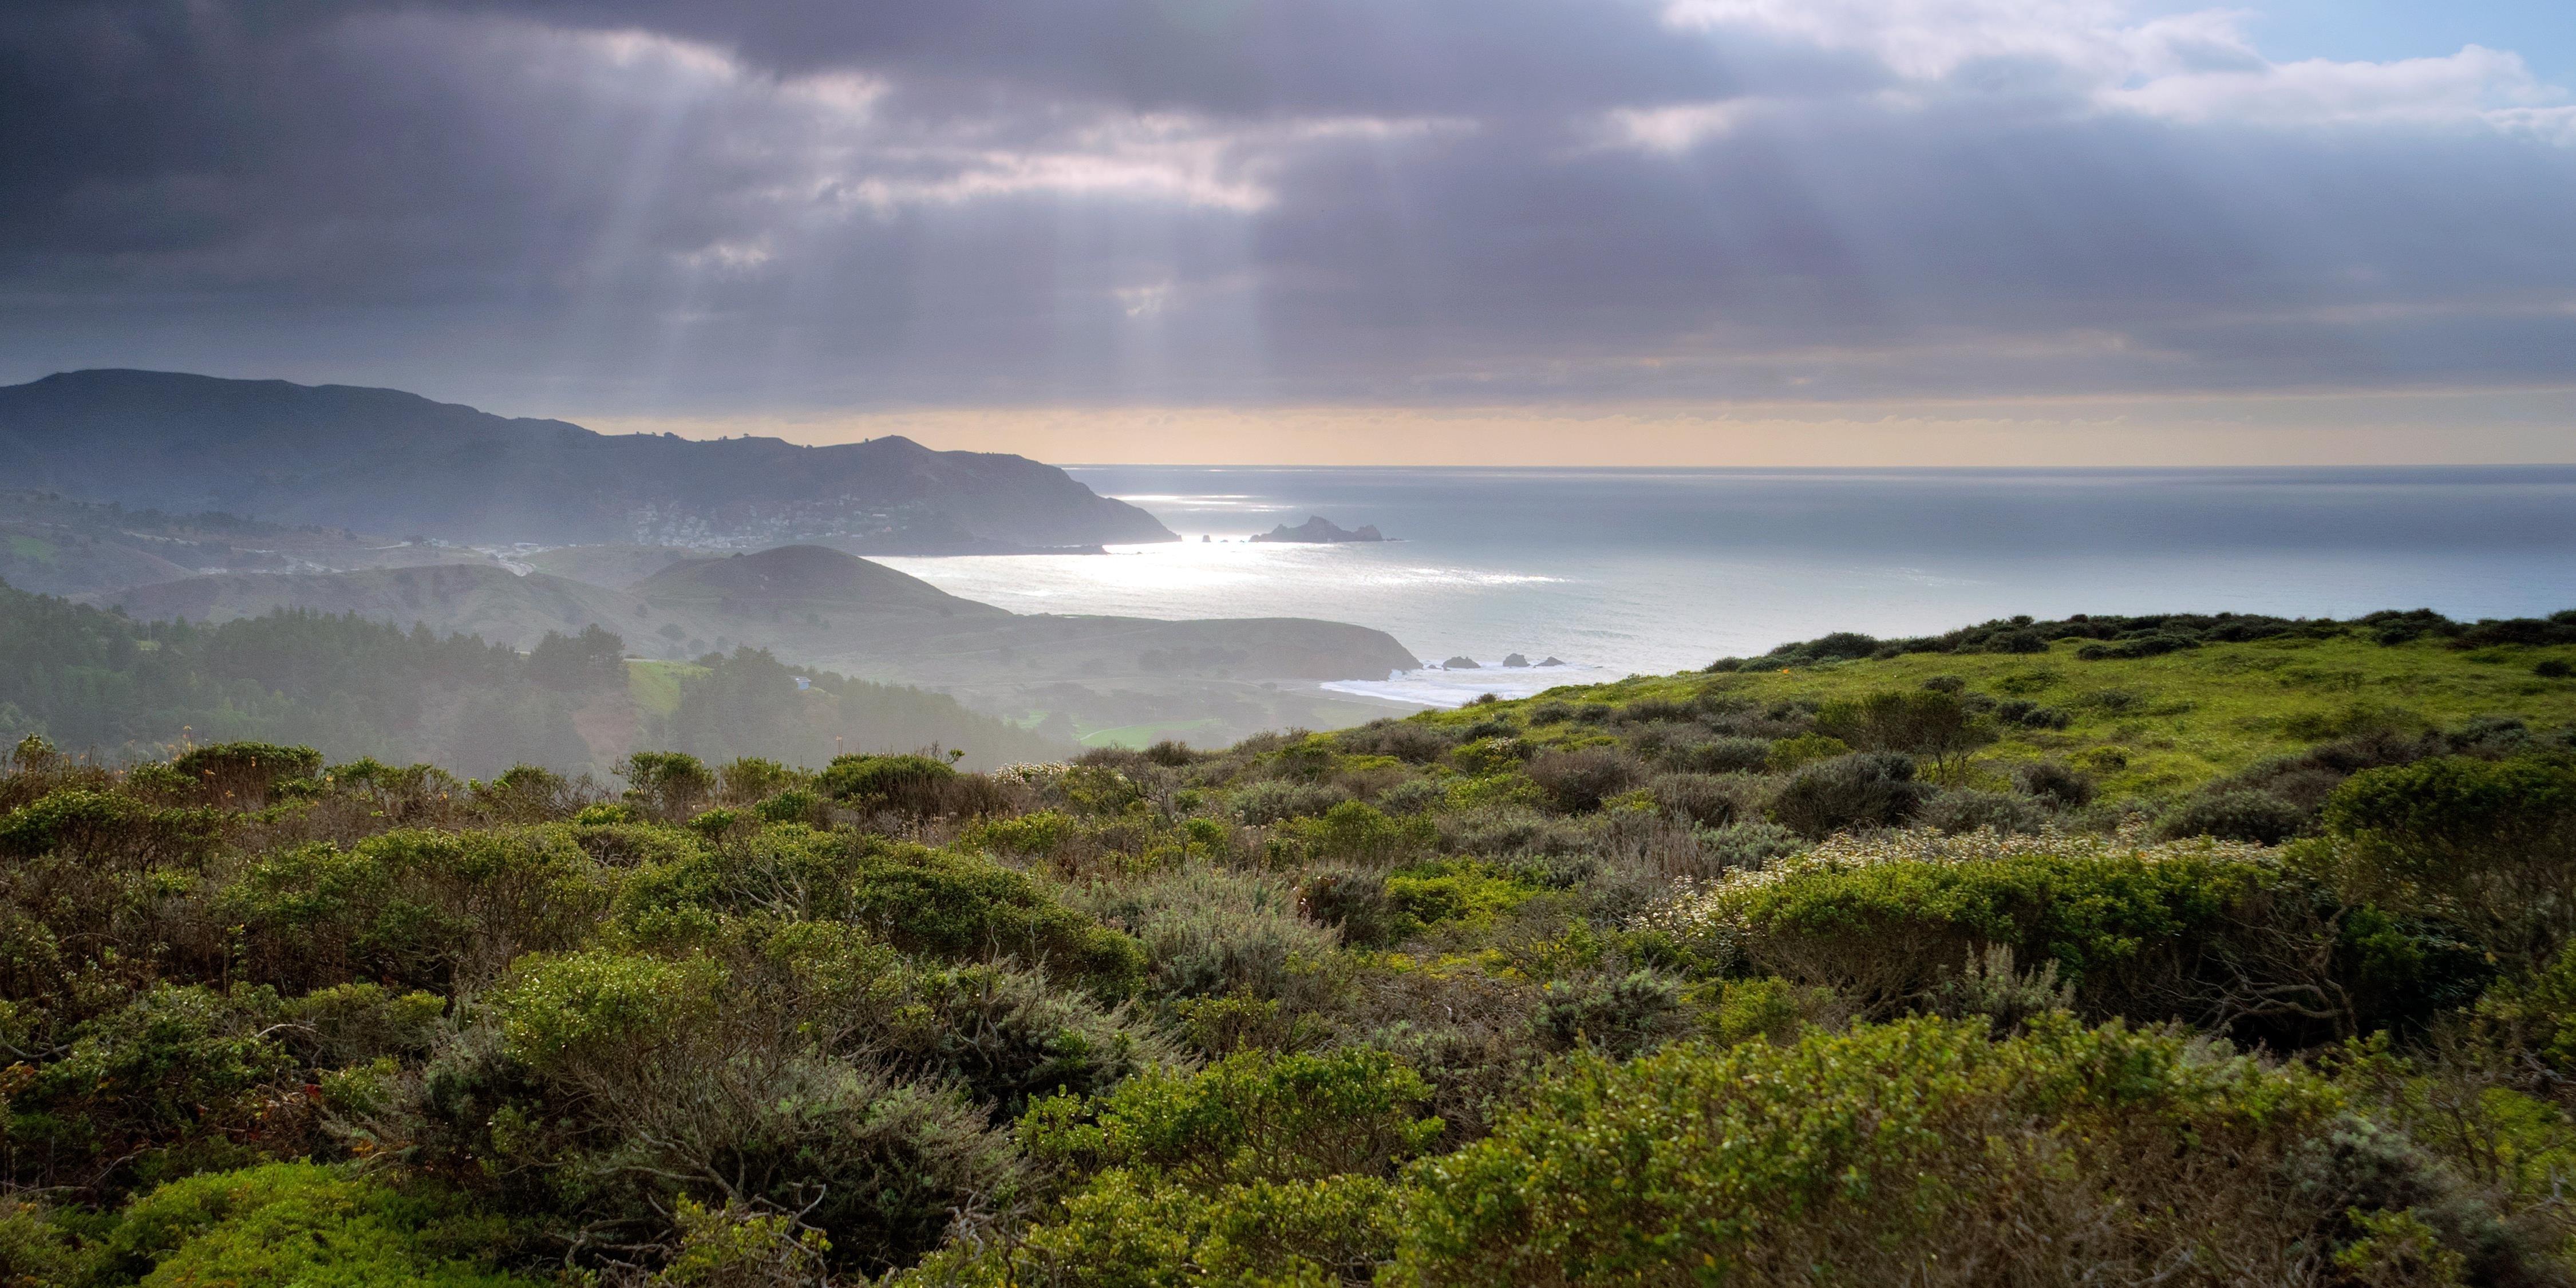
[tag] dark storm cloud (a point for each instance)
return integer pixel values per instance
(669, 206)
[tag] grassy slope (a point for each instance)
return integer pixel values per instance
(655, 686)
(2177, 720)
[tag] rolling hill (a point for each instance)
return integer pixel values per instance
(381, 459)
(821, 607)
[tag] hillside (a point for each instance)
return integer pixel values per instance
(59, 546)
(380, 459)
(800, 579)
(1849, 956)
(2175, 714)
(1218, 678)
(356, 686)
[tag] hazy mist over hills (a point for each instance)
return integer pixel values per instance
(175, 498)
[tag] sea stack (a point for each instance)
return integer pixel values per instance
(1318, 530)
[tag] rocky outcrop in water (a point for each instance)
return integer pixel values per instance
(1318, 530)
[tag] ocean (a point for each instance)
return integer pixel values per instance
(1617, 572)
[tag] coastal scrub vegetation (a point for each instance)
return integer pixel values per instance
(2197, 951)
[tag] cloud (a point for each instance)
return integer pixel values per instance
(648, 207)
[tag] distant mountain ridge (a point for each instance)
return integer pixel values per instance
(384, 460)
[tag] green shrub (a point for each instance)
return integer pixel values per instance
(1704, 799)
(1933, 723)
(1728, 755)
(1207, 932)
(1274, 800)
(1453, 891)
(667, 786)
(1352, 832)
(2493, 842)
(1618, 1014)
(617, 1084)
(1917, 1152)
(1865, 790)
(1749, 845)
(601, 1004)
(1248, 1118)
(300, 1223)
(2256, 817)
(36, 1251)
(417, 908)
(1967, 810)
(241, 775)
(109, 829)
(1262, 1170)
(911, 785)
(733, 1245)
(1579, 780)
(958, 906)
(1123, 1230)
(1006, 1037)
(175, 1066)
(2200, 931)
(2054, 780)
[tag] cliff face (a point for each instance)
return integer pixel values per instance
(381, 460)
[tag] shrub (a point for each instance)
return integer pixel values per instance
(1619, 1014)
(1581, 779)
(1751, 844)
(1789, 755)
(1207, 932)
(1263, 1169)
(1453, 890)
(1414, 796)
(2054, 780)
(2204, 931)
(2258, 817)
(1967, 810)
(1918, 1152)
(109, 829)
(909, 785)
(173, 1065)
(963, 906)
(1352, 832)
(2031, 715)
(1933, 723)
(2021, 641)
(1356, 904)
(1249, 1118)
(35, 1251)
(1704, 799)
(2495, 840)
(1007, 1036)
(1867, 789)
(242, 774)
(1411, 741)
(303, 1223)
(737, 1245)
(667, 786)
(2553, 668)
(1726, 755)
(1272, 800)
(2151, 645)
(414, 907)
(618, 1084)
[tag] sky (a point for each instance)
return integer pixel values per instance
(1697, 232)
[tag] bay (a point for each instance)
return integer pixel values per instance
(1627, 571)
